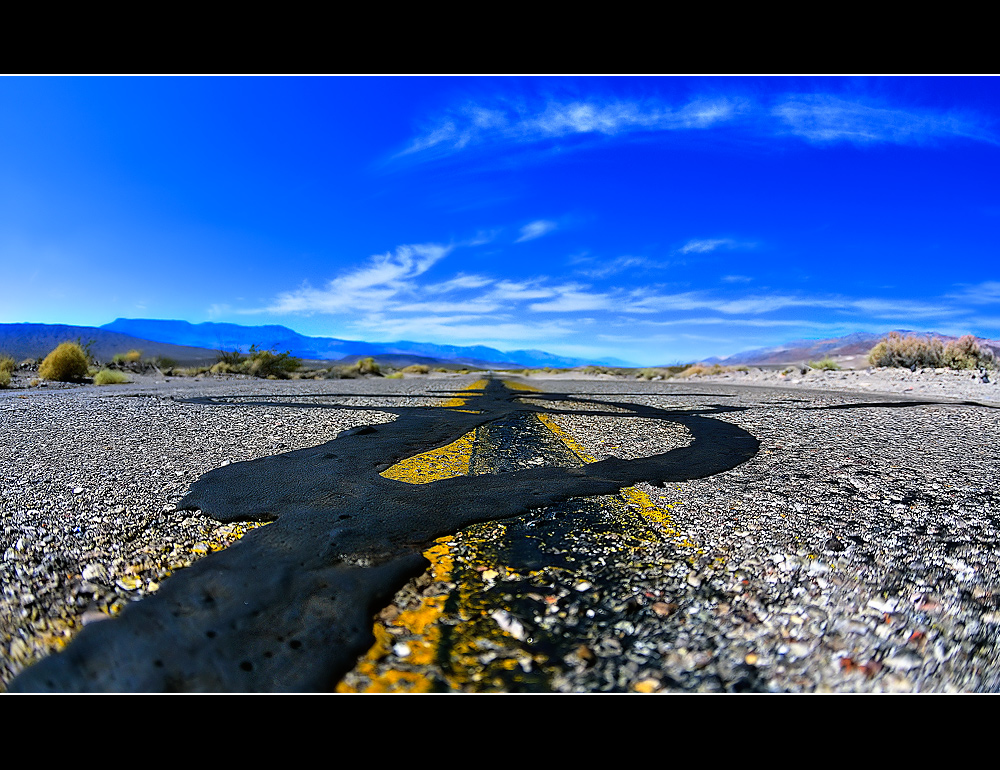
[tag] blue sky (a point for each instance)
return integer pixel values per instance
(657, 220)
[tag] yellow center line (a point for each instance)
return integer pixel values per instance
(414, 634)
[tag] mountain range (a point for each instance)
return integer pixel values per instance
(191, 344)
(851, 345)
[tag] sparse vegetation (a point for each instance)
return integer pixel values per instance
(826, 364)
(700, 370)
(164, 362)
(416, 369)
(913, 352)
(908, 352)
(231, 358)
(6, 370)
(266, 364)
(368, 366)
(110, 377)
(358, 369)
(132, 357)
(965, 353)
(67, 363)
(270, 365)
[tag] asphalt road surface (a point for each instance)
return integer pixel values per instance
(582, 536)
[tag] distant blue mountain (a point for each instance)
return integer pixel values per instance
(226, 336)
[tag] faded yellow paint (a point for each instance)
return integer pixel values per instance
(474, 628)
(658, 514)
(420, 623)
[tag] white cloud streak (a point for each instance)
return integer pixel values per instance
(823, 119)
(820, 119)
(701, 246)
(396, 295)
(376, 284)
(520, 123)
(536, 229)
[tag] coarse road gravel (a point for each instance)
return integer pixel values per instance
(855, 552)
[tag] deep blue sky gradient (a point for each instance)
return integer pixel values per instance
(652, 219)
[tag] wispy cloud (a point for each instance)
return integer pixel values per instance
(704, 245)
(818, 118)
(536, 229)
(985, 293)
(822, 118)
(409, 292)
(377, 283)
(614, 266)
(507, 122)
(573, 299)
(460, 281)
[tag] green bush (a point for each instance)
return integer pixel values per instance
(66, 363)
(110, 377)
(826, 364)
(416, 369)
(270, 365)
(368, 366)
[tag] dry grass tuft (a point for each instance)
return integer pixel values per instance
(6, 370)
(67, 363)
(110, 377)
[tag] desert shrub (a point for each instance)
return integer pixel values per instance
(368, 366)
(416, 369)
(343, 373)
(910, 351)
(110, 377)
(132, 357)
(4, 378)
(234, 358)
(66, 363)
(826, 364)
(394, 376)
(652, 373)
(440, 369)
(6, 369)
(698, 370)
(270, 365)
(965, 353)
(164, 362)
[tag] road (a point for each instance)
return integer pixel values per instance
(792, 541)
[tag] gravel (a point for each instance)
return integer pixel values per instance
(856, 552)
